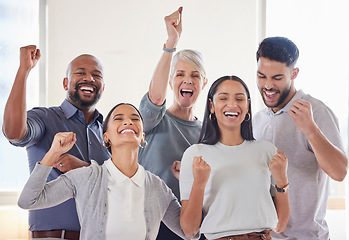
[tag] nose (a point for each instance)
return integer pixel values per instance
(128, 122)
(188, 80)
(269, 83)
(89, 77)
(232, 103)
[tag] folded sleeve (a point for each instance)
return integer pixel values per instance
(151, 113)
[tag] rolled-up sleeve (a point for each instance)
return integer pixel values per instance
(35, 128)
(151, 113)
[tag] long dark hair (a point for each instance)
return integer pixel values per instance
(105, 123)
(210, 133)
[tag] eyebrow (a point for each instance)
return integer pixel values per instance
(191, 71)
(84, 69)
(121, 114)
(277, 75)
(224, 93)
(117, 115)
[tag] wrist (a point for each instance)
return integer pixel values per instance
(281, 181)
(24, 69)
(50, 158)
(199, 185)
(171, 43)
(282, 188)
(168, 49)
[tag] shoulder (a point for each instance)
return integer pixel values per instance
(258, 117)
(147, 104)
(90, 172)
(319, 108)
(44, 112)
(155, 184)
(195, 148)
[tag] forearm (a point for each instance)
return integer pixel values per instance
(282, 206)
(15, 113)
(331, 159)
(159, 82)
(191, 214)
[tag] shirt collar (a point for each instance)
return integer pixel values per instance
(299, 95)
(119, 177)
(70, 110)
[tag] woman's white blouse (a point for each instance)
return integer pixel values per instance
(125, 204)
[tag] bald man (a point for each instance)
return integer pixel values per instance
(36, 128)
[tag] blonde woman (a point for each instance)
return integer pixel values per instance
(170, 131)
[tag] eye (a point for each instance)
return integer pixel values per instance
(97, 76)
(261, 76)
(196, 76)
(223, 98)
(240, 99)
(79, 73)
(117, 119)
(179, 74)
(278, 78)
(135, 119)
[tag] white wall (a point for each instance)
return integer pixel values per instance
(127, 36)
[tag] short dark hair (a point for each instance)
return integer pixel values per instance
(278, 49)
(210, 131)
(105, 123)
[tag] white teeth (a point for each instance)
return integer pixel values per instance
(231, 114)
(127, 131)
(86, 88)
(187, 90)
(269, 93)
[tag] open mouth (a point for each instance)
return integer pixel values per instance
(127, 130)
(87, 89)
(270, 95)
(231, 114)
(187, 93)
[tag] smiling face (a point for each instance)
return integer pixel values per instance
(124, 126)
(186, 84)
(230, 105)
(275, 83)
(84, 82)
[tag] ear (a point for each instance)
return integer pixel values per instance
(106, 139)
(204, 83)
(211, 106)
(295, 72)
(143, 138)
(65, 83)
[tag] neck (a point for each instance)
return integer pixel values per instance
(286, 101)
(125, 158)
(231, 137)
(181, 112)
(88, 112)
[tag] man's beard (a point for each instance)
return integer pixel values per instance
(282, 97)
(75, 97)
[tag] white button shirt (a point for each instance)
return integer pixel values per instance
(125, 218)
